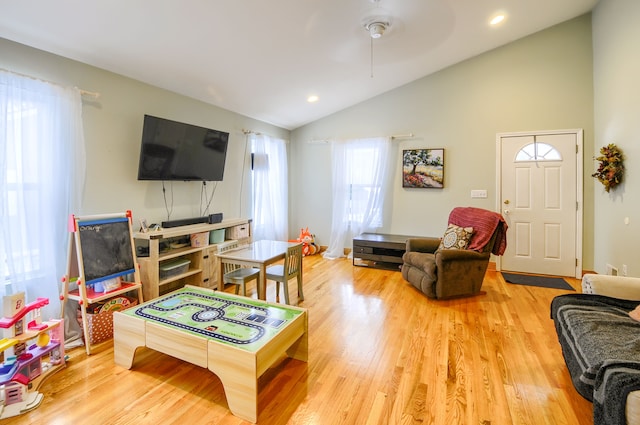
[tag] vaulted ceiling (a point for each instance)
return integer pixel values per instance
(264, 58)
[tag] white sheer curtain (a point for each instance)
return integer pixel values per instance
(270, 189)
(361, 172)
(42, 174)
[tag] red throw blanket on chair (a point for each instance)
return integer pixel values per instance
(484, 224)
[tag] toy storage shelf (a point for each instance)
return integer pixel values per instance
(201, 270)
(94, 297)
(35, 353)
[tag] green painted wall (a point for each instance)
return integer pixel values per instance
(616, 36)
(541, 82)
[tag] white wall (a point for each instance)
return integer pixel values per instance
(542, 82)
(113, 129)
(616, 37)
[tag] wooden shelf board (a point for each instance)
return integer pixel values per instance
(188, 273)
(179, 252)
(93, 296)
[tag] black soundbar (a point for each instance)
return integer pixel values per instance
(184, 222)
(215, 218)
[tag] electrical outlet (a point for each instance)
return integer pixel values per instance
(624, 270)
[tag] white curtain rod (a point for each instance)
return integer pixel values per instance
(87, 93)
(257, 133)
(402, 136)
(393, 137)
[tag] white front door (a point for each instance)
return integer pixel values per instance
(541, 201)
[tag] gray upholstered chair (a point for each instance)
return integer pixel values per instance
(442, 273)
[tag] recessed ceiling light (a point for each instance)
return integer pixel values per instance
(497, 19)
(313, 98)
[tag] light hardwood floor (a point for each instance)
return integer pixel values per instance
(379, 353)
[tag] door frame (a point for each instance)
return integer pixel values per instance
(579, 133)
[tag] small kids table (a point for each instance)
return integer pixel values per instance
(235, 337)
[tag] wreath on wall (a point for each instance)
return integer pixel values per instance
(611, 168)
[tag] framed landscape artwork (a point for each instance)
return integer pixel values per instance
(423, 168)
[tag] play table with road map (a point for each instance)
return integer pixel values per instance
(235, 337)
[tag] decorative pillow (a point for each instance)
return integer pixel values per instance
(456, 237)
(635, 313)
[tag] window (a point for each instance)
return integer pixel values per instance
(363, 187)
(361, 173)
(41, 177)
(20, 182)
(538, 152)
(269, 186)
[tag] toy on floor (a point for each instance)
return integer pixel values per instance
(23, 368)
(309, 246)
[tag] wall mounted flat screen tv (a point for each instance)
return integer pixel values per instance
(173, 150)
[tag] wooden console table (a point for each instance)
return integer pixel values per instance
(379, 250)
(201, 270)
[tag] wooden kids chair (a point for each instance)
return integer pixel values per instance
(292, 267)
(234, 273)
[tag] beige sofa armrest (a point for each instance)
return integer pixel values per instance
(627, 288)
(633, 407)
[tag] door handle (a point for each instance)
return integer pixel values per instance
(506, 212)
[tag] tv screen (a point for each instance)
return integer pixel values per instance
(173, 150)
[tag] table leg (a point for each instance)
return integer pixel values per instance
(262, 283)
(300, 284)
(220, 284)
(238, 373)
(128, 335)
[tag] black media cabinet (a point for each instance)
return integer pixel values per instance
(379, 250)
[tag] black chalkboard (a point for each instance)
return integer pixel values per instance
(105, 249)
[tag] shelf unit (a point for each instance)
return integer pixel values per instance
(202, 267)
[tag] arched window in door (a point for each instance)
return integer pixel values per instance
(538, 152)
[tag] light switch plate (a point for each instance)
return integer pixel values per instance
(478, 193)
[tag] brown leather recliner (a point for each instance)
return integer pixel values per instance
(448, 273)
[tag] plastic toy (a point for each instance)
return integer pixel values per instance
(24, 349)
(309, 246)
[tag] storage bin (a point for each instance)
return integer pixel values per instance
(238, 232)
(216, 236)
(199, 240)
(100, 317)
(174, 267)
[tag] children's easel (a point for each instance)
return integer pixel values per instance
(101, 252)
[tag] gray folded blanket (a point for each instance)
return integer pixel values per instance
(601, 347)
(614, 382)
